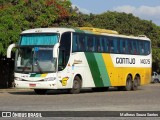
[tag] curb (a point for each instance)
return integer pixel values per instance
(13, 89)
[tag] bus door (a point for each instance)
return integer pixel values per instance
(64, 69)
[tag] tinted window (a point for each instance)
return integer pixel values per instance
(64, 50)
(141, 47)
(99, 44)
(146, 47)
(78, 43)
(111, 45)
(106, 44)
(135, 47)
(123, 46)
(90, 44)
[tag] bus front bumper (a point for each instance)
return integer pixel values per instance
(36, 85)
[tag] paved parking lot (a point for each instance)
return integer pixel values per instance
(146, 98)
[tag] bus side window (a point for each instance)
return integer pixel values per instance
(111, 46)
(123, 46)
(104, 44)
(107, 45)
(81, 43)
(134, 46)
(99, 44)
(141, 47)
(116, 45)
(146, 47)
(90, 44)
(78, 43)
(126, 46)
(75, 43)
(130, 50)
(137, 48)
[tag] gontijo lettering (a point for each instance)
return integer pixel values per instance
(125, 60)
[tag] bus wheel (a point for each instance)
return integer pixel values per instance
(40, 91)
(135, 83)
(77, 84)
(156, 80)
(128, 86)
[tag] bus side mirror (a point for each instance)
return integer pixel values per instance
(9, 49)
(55, 50)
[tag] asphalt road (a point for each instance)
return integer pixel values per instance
(146, 98)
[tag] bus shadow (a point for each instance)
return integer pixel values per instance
(65, 92)
(22, 93)
(49, 92)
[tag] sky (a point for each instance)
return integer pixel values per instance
(144, 9)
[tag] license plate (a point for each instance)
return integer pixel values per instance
(32, 85)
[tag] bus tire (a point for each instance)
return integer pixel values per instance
(128, 86)
(40, 91)
(77, 84)
(135, 83)
(156, 80)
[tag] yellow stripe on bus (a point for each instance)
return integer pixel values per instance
(43, 75)
(118, 75)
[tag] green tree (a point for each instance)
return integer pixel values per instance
(19, 15)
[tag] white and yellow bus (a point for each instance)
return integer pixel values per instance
(76, 58)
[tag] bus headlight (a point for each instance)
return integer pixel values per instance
(17, 78)
(50, 79)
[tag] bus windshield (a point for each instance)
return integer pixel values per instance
(35, 53)
(35, 60)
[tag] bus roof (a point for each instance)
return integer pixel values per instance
(87, 30)
(48, 30)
